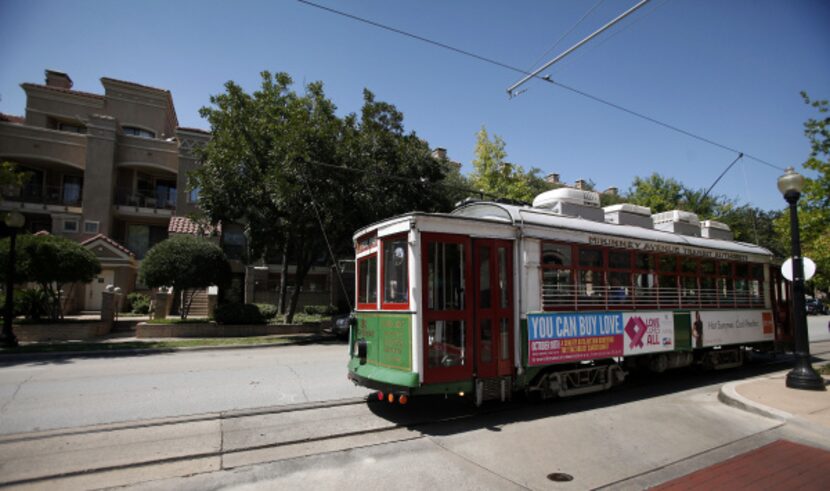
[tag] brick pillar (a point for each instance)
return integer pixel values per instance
(212, 298)
(161, 305)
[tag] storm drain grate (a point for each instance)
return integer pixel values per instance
(560, 477)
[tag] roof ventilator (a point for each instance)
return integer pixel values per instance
(628, 214)
(678, 222)
(571, 202)
(715, 230)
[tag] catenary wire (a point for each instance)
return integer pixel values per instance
(545, 78)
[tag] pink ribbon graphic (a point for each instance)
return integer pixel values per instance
(636, 329)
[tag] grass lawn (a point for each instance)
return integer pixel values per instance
(132, 345)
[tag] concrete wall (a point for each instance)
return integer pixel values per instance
(213, 330)
(61, 332)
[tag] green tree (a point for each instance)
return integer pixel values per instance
(656, 192)
(185, 262)
(496, 177)
(814, 205)
(10, 176)
(52, 262)
(285, 166)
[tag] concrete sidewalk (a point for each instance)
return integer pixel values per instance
(769, 396)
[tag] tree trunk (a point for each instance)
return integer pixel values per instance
(283, 280)
(304, 260)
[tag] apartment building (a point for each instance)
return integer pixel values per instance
(110, 171)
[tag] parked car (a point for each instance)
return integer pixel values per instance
(816, 307)
(340, 326)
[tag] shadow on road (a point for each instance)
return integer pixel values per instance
(437, 416)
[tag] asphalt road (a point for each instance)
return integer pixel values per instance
(79, 391)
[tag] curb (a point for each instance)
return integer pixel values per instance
(729, 396)
(23, 357)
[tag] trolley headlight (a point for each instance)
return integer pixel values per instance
(362, 348)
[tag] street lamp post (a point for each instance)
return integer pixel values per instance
(14, 221)
(802, 376)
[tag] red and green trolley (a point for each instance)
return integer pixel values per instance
(558, 299)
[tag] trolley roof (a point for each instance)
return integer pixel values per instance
(523, 216)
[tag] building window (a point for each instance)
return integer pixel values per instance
(140, 132)
(91, 227)
(193, 195)
(141, 238)
(72, 128)
(72, 187)
(70, 225)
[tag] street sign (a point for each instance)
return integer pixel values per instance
(809, 268)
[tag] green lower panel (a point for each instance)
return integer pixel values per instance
(682, 330)
(383, 375)
(465, 386)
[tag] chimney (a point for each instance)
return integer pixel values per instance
(439, 153)
(579, 184)
(58, 79)
(612, 191)
(552, 178)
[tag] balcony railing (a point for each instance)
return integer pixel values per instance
(146, 200)
(46, 195)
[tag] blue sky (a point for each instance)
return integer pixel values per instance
(728, 71)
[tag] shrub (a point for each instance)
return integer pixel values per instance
(237, 313)
(185, 262)
(267, 310)
(320, 309)
(33, 303)
(139, 303)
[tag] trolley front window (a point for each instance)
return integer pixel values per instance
(367, 282)
(395, 273)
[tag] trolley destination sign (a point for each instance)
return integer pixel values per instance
(648, 246)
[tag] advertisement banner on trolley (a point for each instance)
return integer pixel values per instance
(714, 328)
(648, 332)
(563, 337)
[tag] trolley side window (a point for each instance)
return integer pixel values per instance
(395, 273)
(367, 282)
(557, 276)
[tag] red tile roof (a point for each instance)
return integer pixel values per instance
(65, 91)
(9, 118)
(110, 242)
(184, 225)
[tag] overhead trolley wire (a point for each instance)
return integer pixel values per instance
(544, 78)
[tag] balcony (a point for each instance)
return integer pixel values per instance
(48, 198)
(130, 203)
(28, 142)
(137, 152)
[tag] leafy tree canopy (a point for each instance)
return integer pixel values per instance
(282, 162)
(185, 262)
(493, 175)
(52, 262)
